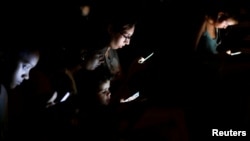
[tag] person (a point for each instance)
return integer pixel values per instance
(75, 60)
(95, 112)
(114, 34)
(61, 106)
(209, 36)
(17, 66)
(209, 49)
(120, 36)
(95, 86)
(85, 8)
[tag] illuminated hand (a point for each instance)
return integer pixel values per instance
(142, 60)
(51, 101)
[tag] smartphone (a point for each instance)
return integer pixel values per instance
(131, 98)
(65, 97)
(142, 60)
(235, 53)
(229, 52)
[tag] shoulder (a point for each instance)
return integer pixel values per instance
(2, 88)
(202, 28)
(3, 92)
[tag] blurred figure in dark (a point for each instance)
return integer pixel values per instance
(17, 64)
(209, 36)
(62, 105)
(96, 116)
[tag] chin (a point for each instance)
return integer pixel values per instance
(13, 86)
(104, 103)
(91, 69)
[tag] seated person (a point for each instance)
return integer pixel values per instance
(62, 103)
(208, 46)
(208, 37)
(17, 64)
(75, 59)
(95, 113)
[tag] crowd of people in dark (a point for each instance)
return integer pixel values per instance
(124, 70)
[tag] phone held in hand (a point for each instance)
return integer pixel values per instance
(131, 98)
(142, 60)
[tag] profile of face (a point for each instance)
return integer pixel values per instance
(223, 22)
(23, 67)
(103, 94)
(119, 40)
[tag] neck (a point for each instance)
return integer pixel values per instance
(107, 51)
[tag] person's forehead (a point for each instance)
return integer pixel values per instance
(30, 58)
(130, 29)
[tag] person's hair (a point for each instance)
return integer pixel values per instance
(88, 85)
(122, 22)
(12, 55)
(220, 16)
(213, 9)
(99, 78)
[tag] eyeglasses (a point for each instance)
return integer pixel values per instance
(127, 37)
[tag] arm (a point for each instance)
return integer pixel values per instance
(199, 34)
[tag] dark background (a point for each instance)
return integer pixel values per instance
(167, 27)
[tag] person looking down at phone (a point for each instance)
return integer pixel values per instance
(95, 112)
(94, 87)
(76, 60)
(17, 64)
(209, 48)
(120, 32)
(62, 104)
(208, 37)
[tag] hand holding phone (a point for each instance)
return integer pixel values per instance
(52, 100)
(229, 52)
(131, 98)
(142, 60)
